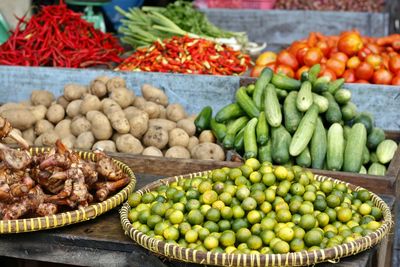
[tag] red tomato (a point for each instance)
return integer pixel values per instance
(301, 54)
(361, 81)
(300, 71)
(374, 48)
(396, 80)
(266, 58)
(340, 56)
(296, 46)
(363, 53)
(394, 63)
(288, 71)
(323, 46)
(285, 58)
(256, 71)
(328, 72)
(336, 66)
(374, 60)
(272, 66)
(382, 76)
(350, 43)
(313, 56)
(353, 62)
(349, 76)
(364, 71)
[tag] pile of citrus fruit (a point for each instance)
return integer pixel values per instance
(255, 208)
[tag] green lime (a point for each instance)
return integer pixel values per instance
(227, 239)
(283, 215)
(225, 197)
(224, 225)
(170, 192)
(256, 229)
(320, 204)
(281, 247)
(267, 236)
(211, 226)
(254, 216)
(307, 222)
(253, 163)
(249, 203)
(209, 197)
(218, 175)
(323, 219)
(254, 242)
(242, 235)
(377, 213)
(184, 227)
(242, 193)
(344, 214)
(268, 223)
(133, 215)
(218, 187)
(363, 195)
(255, 177)
(234, 173)
(143, 216)
(259, 196)
(313, 238)
(153, 220)
(333, 201)
(171, 233)
(134, 199)
(193, 204)
(297, 189)
(195, 217)
(148, 198)
(203, 233)
(238, 212)
(191, 236)
(213, 215)
(269, 179)
(204, 186)
(144, 228)
(227, 213)
(246, 170)
(286, 234)
(297, 245)
(239, 223)
(176, 217)
(210, 242)
(160, 227)
(365, 209)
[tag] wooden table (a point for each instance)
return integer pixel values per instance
(101, 242)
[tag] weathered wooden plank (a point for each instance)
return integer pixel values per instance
(281, 27)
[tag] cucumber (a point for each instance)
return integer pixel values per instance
(304, 132)
(304, 97)
(366, 119)
(238, 144)
(342, 96)
(335, 148)
(373, 157)
(202, 121)
(286, 83)
(262, 129)
(377, 169)
(249, 136)
(280, 145)
(304, 159)
(349, 111)
(231, 111)
(375, 137)
(353, 154)
(304, 76)
(321, 85)
(264, 152)
(250, 89)
(232, 130)
(272, 107)
(335, 85)
(386, 150)
(318, 145)
(313, 73)
(246, 103)
(346, 131)
(321, 102)
(366, 155)
(261, 83)
(218, 129)
(282, 94)
(363, 170)
(292, 116)
(333, 114)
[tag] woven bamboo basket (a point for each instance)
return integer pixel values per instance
(172, 251)
(70, 217)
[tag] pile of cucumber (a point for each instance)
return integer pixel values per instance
(311, 123)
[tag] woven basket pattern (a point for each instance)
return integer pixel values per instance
(70, 217)
(173, 251)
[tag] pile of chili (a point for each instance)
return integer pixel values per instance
(57, 36)
(187, 55)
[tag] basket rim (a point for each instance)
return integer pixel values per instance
(289, 259)
(73, 216)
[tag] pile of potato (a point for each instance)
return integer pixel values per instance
(108, 115)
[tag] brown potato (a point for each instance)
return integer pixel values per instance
(139, 124)
(12, 105)
(108, 105)
(177, 152)
(63, 128)
(80, 125)
(163, 123)
(98, 88)
(187, 125)
(43, 126)
(21, 119)
(84, 141)
(139, 102)
(115, 82)
(42, 97)
(39, 112)
(127, 143)
(193, 141)
(55, 113)
(29, 135)
(208, 151)
(101, 126)
(74, 91)
(123, 96)
(207, 136)
(90, 102)
(62, 101)
(69, 141)
(38, 141)
(152, 151)
(156, 136)
(153, 94)
(152, 109)
(73, 108)
(49, 138)
(119, 122)
(162, 112)
(105, 145)
(175, 112)
(178, 137)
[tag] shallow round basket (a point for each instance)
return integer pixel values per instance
(176, 252)
(70, 217)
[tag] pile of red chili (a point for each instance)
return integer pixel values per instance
(187, 55)
(57, 36)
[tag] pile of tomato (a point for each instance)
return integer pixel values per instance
(356, 58)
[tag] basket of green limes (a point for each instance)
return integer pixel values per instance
(255, 215)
